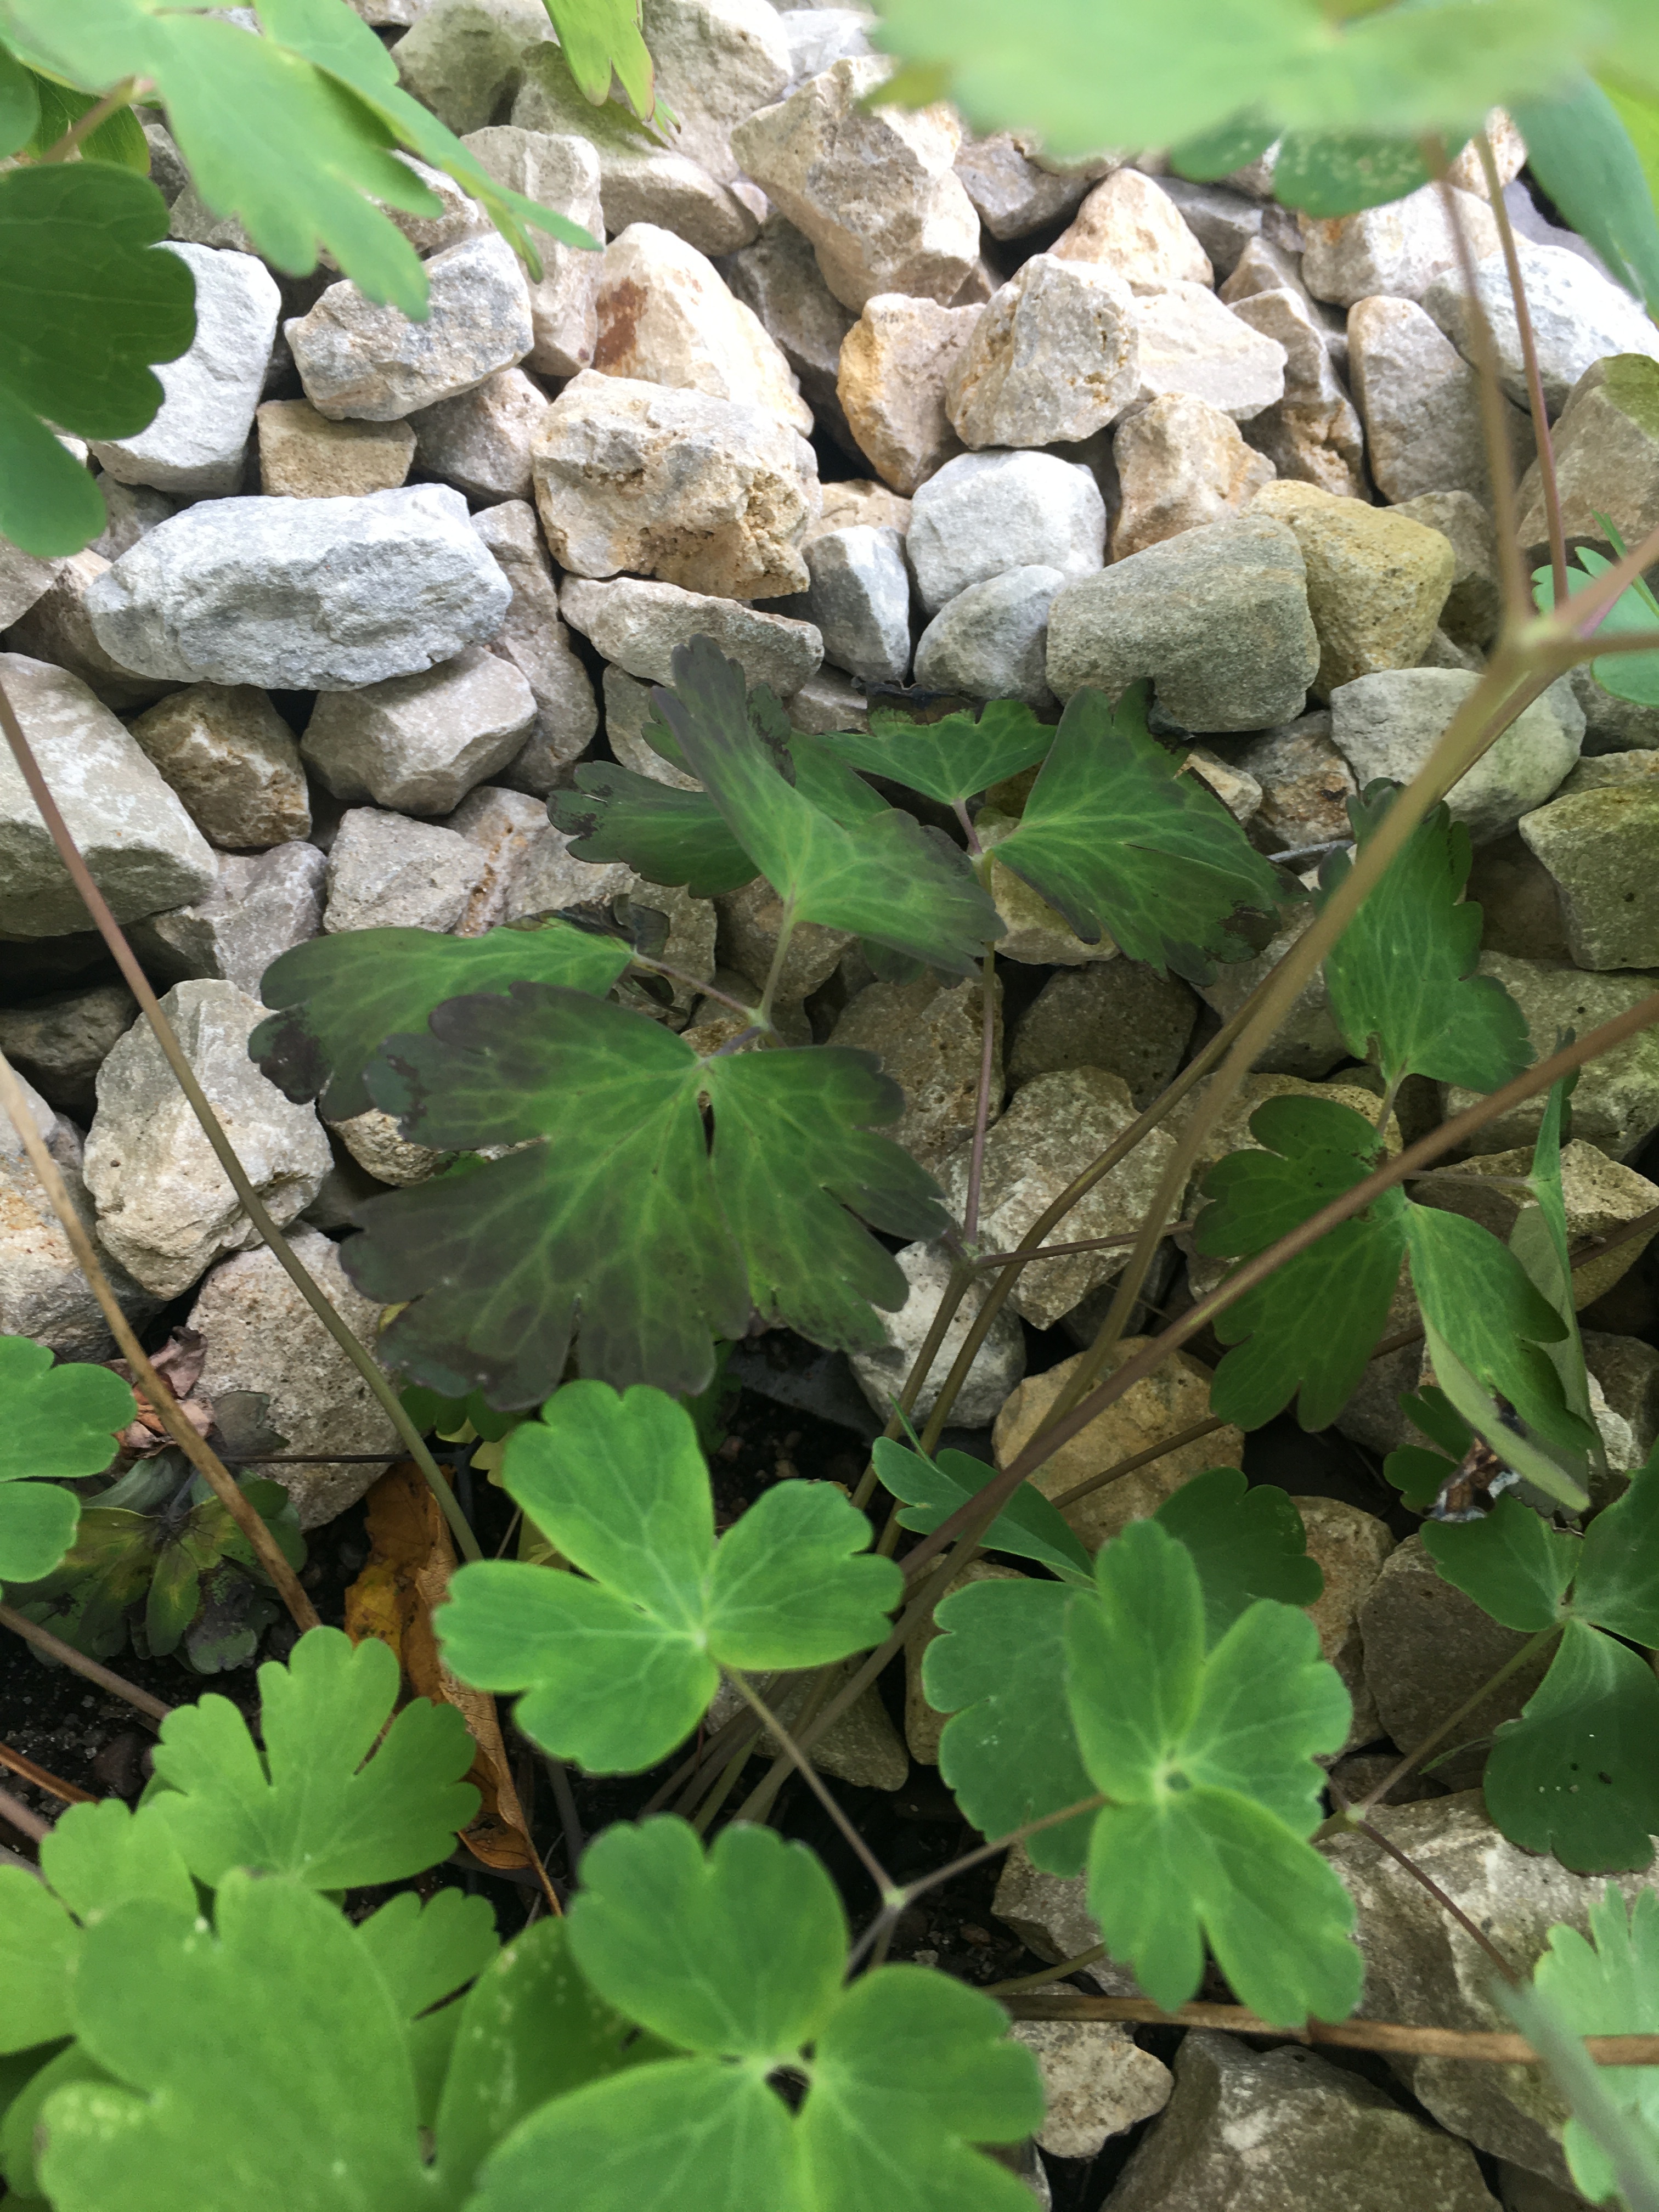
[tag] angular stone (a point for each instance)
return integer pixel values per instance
(1049, 1912)
(302, 455)
(1261, 2131)
(1349, 1546)
(418, 743)
(991, 641)
(1055, 356)
(1012, 194)
(233, 761)
(1601, 847)
(1218, 617)
(701, 492)
(1316, 441)
(504, 825)
(534, 640)
(627, 710)
(1264, 265)
(143, 850)
(861, 1747)
(1130, 226)
(358, 359)
(560, 172)
(1122, 1015)
(375, 1144)
(1578, 316)
(640, 180)
(1627, 1368)
(1474, 605)
(386, 872)
(197, 441)
(1033, 934)
(1287, 316)
(750, 920)
(664, 317)
(1598, 1194)
(997, 1365)
(716, 62)
(895, 362)
(166, 1208)
(24, 579)
(1606, 459)
(1616, 1104)
(818, 36)
(1096, 2081)
(262, 904)
(1388, 723)
(1174, 1397)
(1181, 464)
(1189, 341)
(1376, 582)
(860, 601)
(1421, 404)
(43, 1292)
(984, 513)
(260, 1335)
(1615, 770)
(1517, 896)
(481, 441)
(1306, 784)
(873, 190)
(1399, 249)
(302, 595)
(931, 1042)
(1612, 726)
(637, 625)
(778, 279)
(857, 499)
(58, 628)
(1307, 1041)
(464, 56)
(59, 1042)
(1226, 223)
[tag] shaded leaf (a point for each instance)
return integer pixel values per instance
(665, 834)
(598, 36)
(20, 103)
(1028, 1528)
(1580, 152)
(951, 759)
(1618, 1584)
(1512, 1563)
(1576, 1774)
(1499, 1429)
(1246, 1543)
(1608, 1985)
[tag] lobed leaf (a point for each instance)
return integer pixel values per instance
(56, 1421)
(949, 760)
(665, 834)
(1633, 676)
(1245, 1543)
(1028, 1527)
(598, 36)
(1607, 1985)
(1512, 1563)
(1575, 1774)
(1618, 1584)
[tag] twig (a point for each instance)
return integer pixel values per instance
(885, 1886)
(1447, 1903)
(16, 1814)
(42, 1779)
(1082, 1244)
(982, 1096)
(78, 1663)
(1091, 1483)
(1540, 420)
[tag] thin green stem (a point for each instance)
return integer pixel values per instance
(774, 973)
(82, 128)
(1057, 1973)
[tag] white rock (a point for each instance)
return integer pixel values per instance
(1096, 2081)
(263, 903)
(58, 628)
(637, 625)
(860, 601)
(1055, 356)
(1578, 316)
(702, 493)
(418, 743)
(827, 702)
(534, 640)
(463, 56)
(991, 641)
(716, 62)
(387, 872)
(1290, 319)
(166, 1207)
(1420, 401)
(371, 363)
(481, 442)
(301, 594)
(1387, 724)
(43, 1292)
(1400, 248)
(143, 848)
(817, 36)
(504, 825)
(260, 1335)
(985, 512)
(561, 173)
(1189, 341)
(999, 1363)
(1131, 227)
(233, 761)
(24, 579)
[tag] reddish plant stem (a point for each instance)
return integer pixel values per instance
(91, 1670)
(1540, 420)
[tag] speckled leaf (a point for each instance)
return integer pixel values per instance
(1576, 1774)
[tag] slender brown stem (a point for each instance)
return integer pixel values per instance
(42, 1779)
(252, 1204)
(885, 1886)
(1064, 1251)
(123, 95)
(195, 1447)
(693, 983)
(1091, 1483)
(1540, 420)
(1447, 1903)
(982, 1097)
(16, 1814)
(53, 1647)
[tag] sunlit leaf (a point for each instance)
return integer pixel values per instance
(1608, 1985)
(1580, 150)
(1633, 676)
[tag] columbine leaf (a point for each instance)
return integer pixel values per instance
(20, 103)
(309, 1806)
(1311, 1327)
(886, 878)
(1581, 153)
(1402, 974)
(951, 759)
(1575, 1775)
(626, 1215)
(1028, 1528)
(1124, 846)
(618, 1667)
(39, 1945)
(1608, 1986)
(1245, 1544)
(1209, 1767)
(336, 1000)
(1539, 1242)
(1633, 676)
(1618, 1584)
(1331, 173)
(55, 1421)
(665, 834)
(1512, 1564)
(598, 36)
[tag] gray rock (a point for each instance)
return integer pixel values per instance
(166, 1208)
(1316, 441)
(1190, 342)
(873, 189)
(260, 1335)
(1056, 355)
(58, 1042)
(827, 702)
(778, 279)
(561, 173)
(459, 215)
(302, 455)
(233, 761)
(58, 628)
(895, 365)
(1307, 1042)
(23, 580)
(749, 920)
(1011, 193)
(1626, 1367)
(998, 1365)
(1616, 1104)
(1350, 1549)
(504, 825)
(1578, 316)
(1096, 2081)
(716, 62)
(991, 641)
(862, 1747)
(1420, 401)
(1223, 222)
(1612, 726)
(1517, 899)
(1305, 786)
(418, 743)
(627, 710)
(1218, 617)
(1421, 1967)
(637, 625)
(701, 492)
(371, 363)
(534, 640)
(930, 1041)
(482, 440)
(1049, 1912)
(1288, 316)
(984, 513)
(1606, 460)
(548, 880)
(1118, 1015)
(859, 601)
(817, 36)
(1601, 847)
(263, 903)
(463, 56)
(1387, 724)
(143, 850)
(134, 510)
(1474, 605)
(387, 872)
(196, 440)
(301, 594)
(1267, 2130)
(1399, 249)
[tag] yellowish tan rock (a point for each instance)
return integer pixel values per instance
(302, 455)
(857, 499)
(1349, 1546)
(1035, 934)
(1132, 228)
(1181, 463)
(894, 362)
(1599, 1194)
(1376, 580)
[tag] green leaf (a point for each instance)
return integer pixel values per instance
(39, 1945)
(309, 1805)
(1028, 1528)
(1209, 1766)
(1512, 1563)
(887, 877)
(598, 36)
(1401, 975)
(1009, 1752)
(1417, 1475)
(336, 1000)
(20, 103)
(1231, 145)
(1245, 1543)
(1618, 1584)
(1608, 1985)
(1575, 1775)
(626, 1212)
(1540, 1466)
(1311, 1327)
(665, 834)
(1581, 153)
(1333, 173)
(1125, 845)
(951, 759)
(119, 138)
(619, 1667)
(1633, 676)
(101, 1856)
(1539, 1242)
